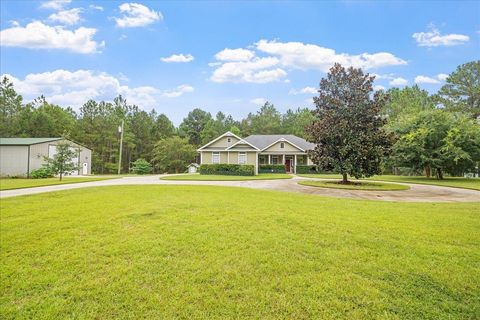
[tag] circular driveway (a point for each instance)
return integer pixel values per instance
(416, 193)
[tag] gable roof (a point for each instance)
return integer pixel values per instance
(228, 133)
(262, 141)
(24, 141)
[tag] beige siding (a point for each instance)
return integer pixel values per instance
(243, 146)
(13, 160)
(206, 157)
(251, 158)
(287, 148)
(223, 157)
(309, 161)
(223, 143)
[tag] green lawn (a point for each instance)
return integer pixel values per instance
(467, 183)
(202, 252)
(367, 186)
(214, 177)
(7, 184)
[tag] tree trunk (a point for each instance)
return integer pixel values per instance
(344, 178)
(428, 171)
(60, 176)
(439, 174)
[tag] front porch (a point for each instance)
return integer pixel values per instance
(290, 161)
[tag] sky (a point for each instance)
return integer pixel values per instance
(174, 56)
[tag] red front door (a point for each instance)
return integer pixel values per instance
(287, 165)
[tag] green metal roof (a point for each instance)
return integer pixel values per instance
(24, 141)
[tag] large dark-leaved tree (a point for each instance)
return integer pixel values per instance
(348, 130)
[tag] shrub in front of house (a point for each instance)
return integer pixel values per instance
(141, 166)
(306, 169)
(42, 173)
(271, 168)
(228, 169)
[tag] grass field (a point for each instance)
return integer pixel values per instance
(8, 184)
(364, 185)
(198, 252)
(214, 177)
(467, 183)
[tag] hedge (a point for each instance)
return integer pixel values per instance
(271, 168)
(228, 169)
(306, 169)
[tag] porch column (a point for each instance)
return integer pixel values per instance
(228, 157)
(269, 160)
(283, 159)
(295, 164)
(256, 163)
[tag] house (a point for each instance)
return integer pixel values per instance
(257, 150)
(19, 156)
(193, 167)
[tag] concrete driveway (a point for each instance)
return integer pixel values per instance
(416, 193)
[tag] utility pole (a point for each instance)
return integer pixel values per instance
(120, 129)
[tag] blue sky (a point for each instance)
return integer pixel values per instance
(226, 56)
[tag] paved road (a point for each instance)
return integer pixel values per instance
(416, 193)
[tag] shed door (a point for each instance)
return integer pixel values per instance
(85, 168)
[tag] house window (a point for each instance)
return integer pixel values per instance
(229, 140)
(242, 158)
(215, 157)
(282, 145)
(274, 159)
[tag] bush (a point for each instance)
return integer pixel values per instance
(228, 169)
(141, 166)
(42, 173)
(271, 168)
(306, 169)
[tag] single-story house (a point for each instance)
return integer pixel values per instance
(19, 156)
(256, 150)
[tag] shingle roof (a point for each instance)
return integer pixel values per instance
(24, 141)
(262, 141)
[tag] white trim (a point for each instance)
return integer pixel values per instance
(228, 133)
(295, 164)
(256, 163)
(283, 140)
(228, 157)
(242, 141)
(201, 157)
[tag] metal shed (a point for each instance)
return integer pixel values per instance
(19, 156)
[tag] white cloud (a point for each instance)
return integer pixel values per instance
(14, 23)
(258, 101)
(95, 7)
(74, 88)
(37, 35)
(298, 55)
(442, 76)
(178, 91)
(433, 38)
(243, 65)
(136, 15)
(178, 58)
(122, 37)
(398, 82)
(55, 4)
(257, 70)
(425, 79)
(306, 90)
(69, 17)
(378, 87)
(235, 55)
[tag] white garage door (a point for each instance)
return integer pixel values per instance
(52, 150)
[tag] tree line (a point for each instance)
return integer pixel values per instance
(424, 133)
(147, 135)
